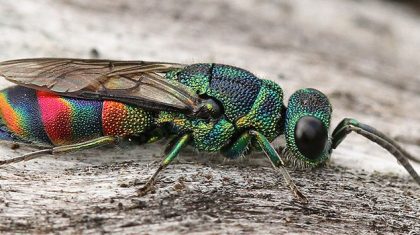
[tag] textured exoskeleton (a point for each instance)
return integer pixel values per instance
(67, 105)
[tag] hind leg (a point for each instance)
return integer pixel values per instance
(104, 140)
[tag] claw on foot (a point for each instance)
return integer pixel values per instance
(301, 198)
(148, 187)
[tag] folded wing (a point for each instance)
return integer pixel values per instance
(140, 83)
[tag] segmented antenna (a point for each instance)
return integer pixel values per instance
(349, 125)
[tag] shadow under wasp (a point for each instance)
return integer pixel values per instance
(67, 105)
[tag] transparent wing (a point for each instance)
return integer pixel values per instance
(137, 82)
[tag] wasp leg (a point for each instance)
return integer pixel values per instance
(15, 146)
(238, 147)
(104, 140)
(150, 136)
(348, 125)
(173, 153)
(278, 164)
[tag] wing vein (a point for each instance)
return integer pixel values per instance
(141, 83)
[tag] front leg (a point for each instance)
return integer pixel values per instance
(278, 164)
(238, 147)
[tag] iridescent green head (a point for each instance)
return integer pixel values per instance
(308, 119)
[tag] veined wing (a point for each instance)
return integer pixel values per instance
(136, 82)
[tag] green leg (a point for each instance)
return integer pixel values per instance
(348, 125)
(278, 164)
(104, 140)
(238, 147)
(173, 153)
(151, 136)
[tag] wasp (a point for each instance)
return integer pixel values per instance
(68, 105)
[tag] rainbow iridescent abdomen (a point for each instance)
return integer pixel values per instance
(42, 118)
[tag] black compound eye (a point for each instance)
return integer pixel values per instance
(310, 137)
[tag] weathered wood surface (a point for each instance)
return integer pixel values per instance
(364, 55)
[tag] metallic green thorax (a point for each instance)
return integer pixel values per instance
(248, 103)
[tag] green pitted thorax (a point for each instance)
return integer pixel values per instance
(247, 102)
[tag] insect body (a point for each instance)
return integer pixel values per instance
(72, 104)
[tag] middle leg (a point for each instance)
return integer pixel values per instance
(173, 153)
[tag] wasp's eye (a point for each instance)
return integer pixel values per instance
(310, 136)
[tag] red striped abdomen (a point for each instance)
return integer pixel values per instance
(45, 118)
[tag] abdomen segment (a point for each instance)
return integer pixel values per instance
(68, 120)
(39, 117)
(21, 116)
